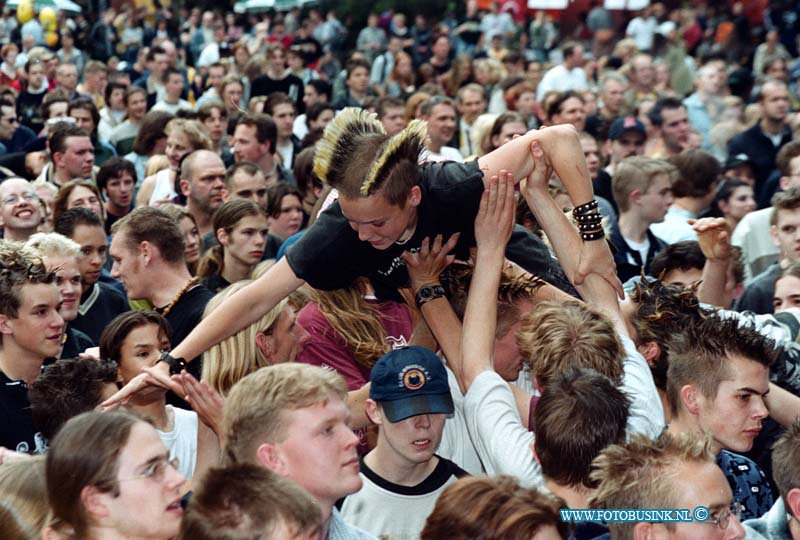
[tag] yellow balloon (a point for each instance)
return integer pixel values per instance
(25, 11)
(48, 19)
(51, 38)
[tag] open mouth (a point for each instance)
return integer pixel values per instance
(422, 444)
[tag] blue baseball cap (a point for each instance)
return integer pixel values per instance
(410, 381)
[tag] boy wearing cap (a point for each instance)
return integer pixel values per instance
(642, 190)
(409, 401)
(626, 137)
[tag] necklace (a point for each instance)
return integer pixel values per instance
(189, 284)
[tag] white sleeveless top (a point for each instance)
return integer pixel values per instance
(182, 440)
(164, 188)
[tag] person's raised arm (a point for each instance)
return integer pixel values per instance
(567, 244)
(493, 226)
(714, 237)
(562, 148)
(234, 314)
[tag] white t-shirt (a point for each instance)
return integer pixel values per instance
(182, 440)
(456, 444)
(446, 153)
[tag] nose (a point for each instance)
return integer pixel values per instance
(364, 233)
(760, 411)
(58, 320)
(735, 530)
(423, 421)
(174, 478)
(115, 270)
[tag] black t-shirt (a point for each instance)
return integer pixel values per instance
(185, 315)
(290, 85)
(331, 256)
(76, 343)
(16, 427)
(29, 110)
(99, 305)
(215, 283)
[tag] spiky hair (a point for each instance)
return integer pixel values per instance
(356, 156)
(341, 139)
(404, 146)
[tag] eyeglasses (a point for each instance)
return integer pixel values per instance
(14, 199)
(723, 518)
(156, 470)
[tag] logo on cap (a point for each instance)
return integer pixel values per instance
(414, 377)
(629, 122)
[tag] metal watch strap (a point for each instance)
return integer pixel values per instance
(427, 293)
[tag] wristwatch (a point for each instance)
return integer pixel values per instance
(176, 365)
(426, 293)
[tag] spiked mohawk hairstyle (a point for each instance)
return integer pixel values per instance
(355, 143)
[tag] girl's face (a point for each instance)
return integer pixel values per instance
(140, 349)
(740, 203)
(191, 238)
(177, 147)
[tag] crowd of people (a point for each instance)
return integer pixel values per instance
(279, 276)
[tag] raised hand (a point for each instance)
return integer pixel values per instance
(425, 265)
(204, 399)
(714, 237)
(495, 219)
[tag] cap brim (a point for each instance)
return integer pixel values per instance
(401, 409)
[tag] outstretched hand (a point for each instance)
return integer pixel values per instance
(425, 265)
(157, 375)
(495, 219)
(714, 237)
(204, 400)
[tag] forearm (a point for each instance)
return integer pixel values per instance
(446, 328)
(240, 310)
(784, 407)
(480, 317)
(356, 402)
(566, 243)
(712, 288)
(561, 147)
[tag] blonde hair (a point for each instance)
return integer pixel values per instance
(637, 172)
(236, 356)
(254, 408)
(53, 245)
(559, 335)
(480, 131)
(357, 321)
(23, 492)
(642, 474)
(195, 132)
(156, 163)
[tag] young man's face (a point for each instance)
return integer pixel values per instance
(591, 151)
(656, 200)
(290, 219)
(774, 104)
(245, 242)
(92, 239)
(358, 81)
(786, 233)
(8, 122)
(78, 157)
(128, 267)
(246, 146)
(734, 415)
(216, 123)
(36, 75)
(147, 483)
(283, 115)
(137, 106)
(68, 281)
(572, 112)
(174, 85)
(83, 197)
(787, 293)
(38, 326)
(393, 120)
(319, 451)
(377, 221)
(311, 96)
(675, 128)
(442, 123)
(119, 190)
(413, 440)
(249, 186)
(324, 118)
(630, 143)
(83, 119)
